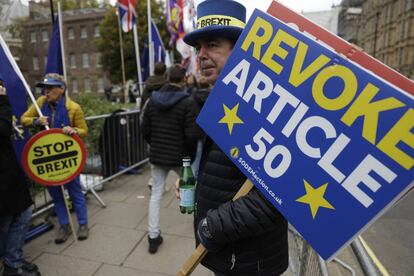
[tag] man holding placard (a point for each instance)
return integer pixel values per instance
(247, 236)
(61, 112)
(325, 141)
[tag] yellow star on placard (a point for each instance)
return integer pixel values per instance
(230, 117)
(314, 197)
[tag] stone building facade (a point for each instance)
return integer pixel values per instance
(80, 29)
(10, 11)
(349, 20)
(386, 31)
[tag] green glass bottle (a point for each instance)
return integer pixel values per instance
(187, 187)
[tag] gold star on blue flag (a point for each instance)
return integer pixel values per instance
(230, 117)
(314, 197)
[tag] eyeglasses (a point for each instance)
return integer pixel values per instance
(50, 87)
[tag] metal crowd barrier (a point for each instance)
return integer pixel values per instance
(114, 146)
(304, 261)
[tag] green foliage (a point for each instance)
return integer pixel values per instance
(108, 43)
(17, 27)
(18, 30)
(94, 105)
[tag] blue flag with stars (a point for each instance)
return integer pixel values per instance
(16, 91)
(327, 142)
(54, 55)
(159, 51)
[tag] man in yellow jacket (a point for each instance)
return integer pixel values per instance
(61, 112)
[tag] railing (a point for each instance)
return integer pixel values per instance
(304, 261)
(114, 146)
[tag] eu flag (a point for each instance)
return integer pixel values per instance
(14, 83)
(54, 56)
(159, 51)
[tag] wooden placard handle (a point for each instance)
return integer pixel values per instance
(198, 254)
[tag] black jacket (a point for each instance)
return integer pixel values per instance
(253, 232)
(14, 190)
(169, 126)
(153, 83)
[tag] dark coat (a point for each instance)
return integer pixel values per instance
(169, 126)
(200, 97)
(252, 231)
(153, 83)
(14, 191)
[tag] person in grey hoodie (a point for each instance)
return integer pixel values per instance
(169, 128)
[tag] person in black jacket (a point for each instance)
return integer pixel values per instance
(169, 128)
(15, 200)
(154, 82)
(247, 236)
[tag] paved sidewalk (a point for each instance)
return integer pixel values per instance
(118, 244)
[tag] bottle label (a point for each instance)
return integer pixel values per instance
(187, 197)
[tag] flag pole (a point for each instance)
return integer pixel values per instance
(62, 46)
(52, 13)
(150, 43)
(121, 48)
(137, 56)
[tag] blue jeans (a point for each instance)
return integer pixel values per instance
(13, 231)
(78, 200)
(159, 174)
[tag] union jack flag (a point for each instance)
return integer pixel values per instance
(127, 14)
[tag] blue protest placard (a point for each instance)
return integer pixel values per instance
(327, 142)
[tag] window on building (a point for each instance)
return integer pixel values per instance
(406, 28)
(387, 13)
(35, 63)
(45, 35)
(401, 56)
(72, 60)
(100, 84)
(32, 37)
(71, 33)
(84, 32)
(403, 29)
(408, 4)
(85, 60)
(75, 86)
(96, 31)
(87, 85)
(386, 37)
(98, 60)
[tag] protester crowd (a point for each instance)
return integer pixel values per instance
(247, 236)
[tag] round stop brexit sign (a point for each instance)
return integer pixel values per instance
(53, 158)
